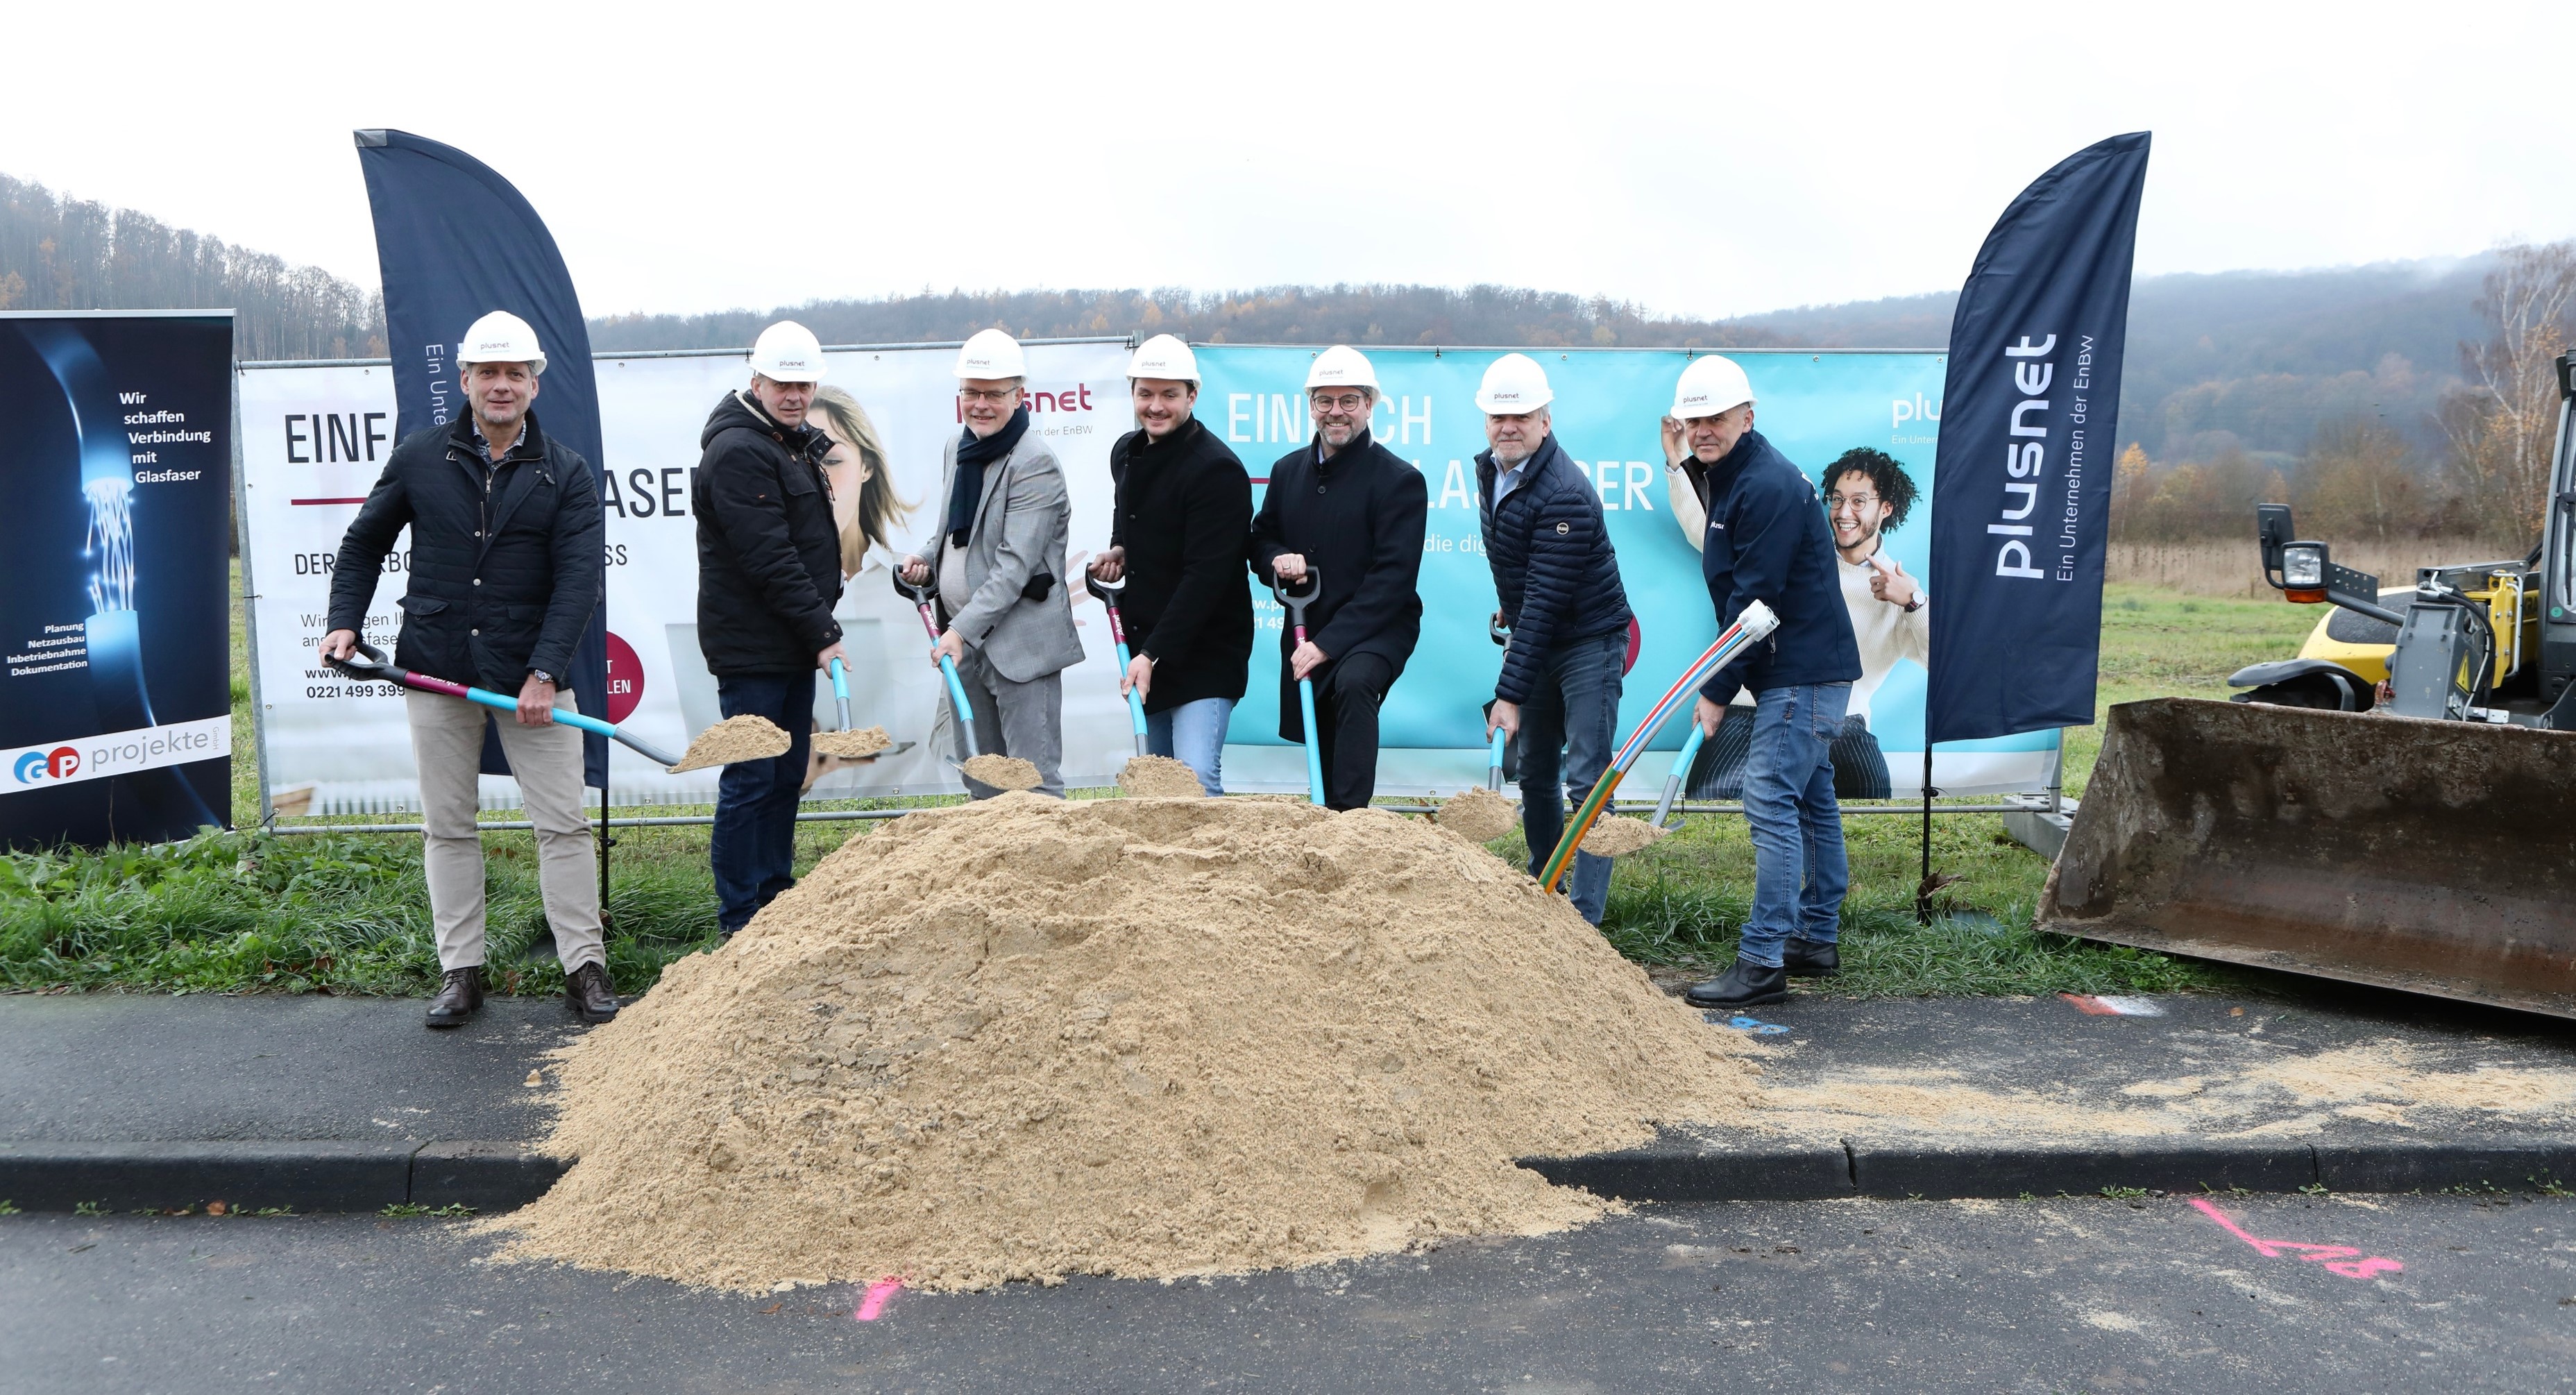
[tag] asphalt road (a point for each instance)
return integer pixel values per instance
(2408, 1293)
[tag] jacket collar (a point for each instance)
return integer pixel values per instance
(1358, 447)
(1722, 475)
(462, 435)
(795, 438)
(1540, 462)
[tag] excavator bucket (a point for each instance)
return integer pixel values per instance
(2433, 857)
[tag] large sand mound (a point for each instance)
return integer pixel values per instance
(1026, 1038)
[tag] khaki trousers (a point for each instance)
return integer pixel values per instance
(447, 742)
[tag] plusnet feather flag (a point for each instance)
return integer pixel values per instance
(454, 242)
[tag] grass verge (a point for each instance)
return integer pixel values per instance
(349, 913)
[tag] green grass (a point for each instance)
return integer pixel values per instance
(348, 913)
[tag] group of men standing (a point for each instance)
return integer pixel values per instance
(507, 545)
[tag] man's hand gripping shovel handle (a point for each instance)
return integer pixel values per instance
(1296, 603)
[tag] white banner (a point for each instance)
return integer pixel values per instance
(81, 758)
(314, 440)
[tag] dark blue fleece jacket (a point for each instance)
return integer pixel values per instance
(1554, 570)
(1768, 541)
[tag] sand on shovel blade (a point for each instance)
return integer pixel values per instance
(1617, 837)
(734, 739)
(1024, 1038)
(1003, 773)
(1479, 816)
(853, 745)
(1159, 777)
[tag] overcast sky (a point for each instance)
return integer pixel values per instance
(1705, 159)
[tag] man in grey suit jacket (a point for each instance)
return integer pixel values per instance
(1008, 622)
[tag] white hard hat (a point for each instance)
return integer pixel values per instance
(1342, 366)
(992, 354)
(1164, 356)
(501, 337)
(1514, 385)
(1712, 384)
(788, 352)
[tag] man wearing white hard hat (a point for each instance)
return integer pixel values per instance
(1766, 540)
(1176, 537)
(507, 564)
(1006, 615)
(1557, 579)
(769, 574)
(1353, 513)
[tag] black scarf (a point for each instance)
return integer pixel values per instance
(973, 454)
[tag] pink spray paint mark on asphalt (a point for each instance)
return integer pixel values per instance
(879, 1294)
(2341, 1259)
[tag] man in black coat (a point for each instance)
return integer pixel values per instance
(1558, 581)
(507, 563)
(769, 573)
(1177, 534)
(1352, 512)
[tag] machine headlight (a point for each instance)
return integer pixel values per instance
(2303, 565)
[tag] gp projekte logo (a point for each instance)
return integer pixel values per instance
(56, 764)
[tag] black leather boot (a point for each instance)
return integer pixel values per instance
(1745, 985)
(586, 992)
(460, 996)
(1811, 959)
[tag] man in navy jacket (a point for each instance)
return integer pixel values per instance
(1558, 581)
(1768, 541)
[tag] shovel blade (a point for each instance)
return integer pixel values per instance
(2430, 857)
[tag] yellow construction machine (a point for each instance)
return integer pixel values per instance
(2396, 806)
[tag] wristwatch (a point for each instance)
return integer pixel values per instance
(543, 677)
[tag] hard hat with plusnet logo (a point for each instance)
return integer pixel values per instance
(1710, 385)
(501, 337)
(992, 354)
(1514, 386)
(1164, 356)
(788, 352)
(1342, 366)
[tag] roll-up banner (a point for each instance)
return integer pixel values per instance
(2021, 519)
(314, 436)
(115, 709)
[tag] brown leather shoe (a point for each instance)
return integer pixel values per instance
(587, 992)
(460, 996)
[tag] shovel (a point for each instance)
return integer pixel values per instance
(1502, 635)
(1108, 591)
(375, 665)
(1748, 630)
(1681, 771)
(1296, 602)
(841, 692)
(957, 704)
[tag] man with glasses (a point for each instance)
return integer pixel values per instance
(1353, 513)
(1868, 494)
(1008, 623)
(1767, 540)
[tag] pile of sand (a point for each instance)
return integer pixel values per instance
(1160, 777)
(1611, 836)
(1479, 816)
(734, 739)
(853, 745)
(1000, 772)
(1025, 1038)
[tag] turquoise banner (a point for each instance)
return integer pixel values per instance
(1607, 415)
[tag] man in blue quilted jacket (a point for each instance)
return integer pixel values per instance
(1558, 581)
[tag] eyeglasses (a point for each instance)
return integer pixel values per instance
(1856, 503)
(1349, 402)
(993, 395)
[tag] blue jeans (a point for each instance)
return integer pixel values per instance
(754, 844)
(1193, 734)
(1568, 727)
(1799, 871)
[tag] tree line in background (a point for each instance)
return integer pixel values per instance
(2364, 478)
(2306, 388)
(72, 254)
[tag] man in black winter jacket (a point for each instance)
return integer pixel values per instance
(1177, 535)
(1353, 513)
(1768, 541)
(769, 573)
(1558, 581)
(506, 567)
